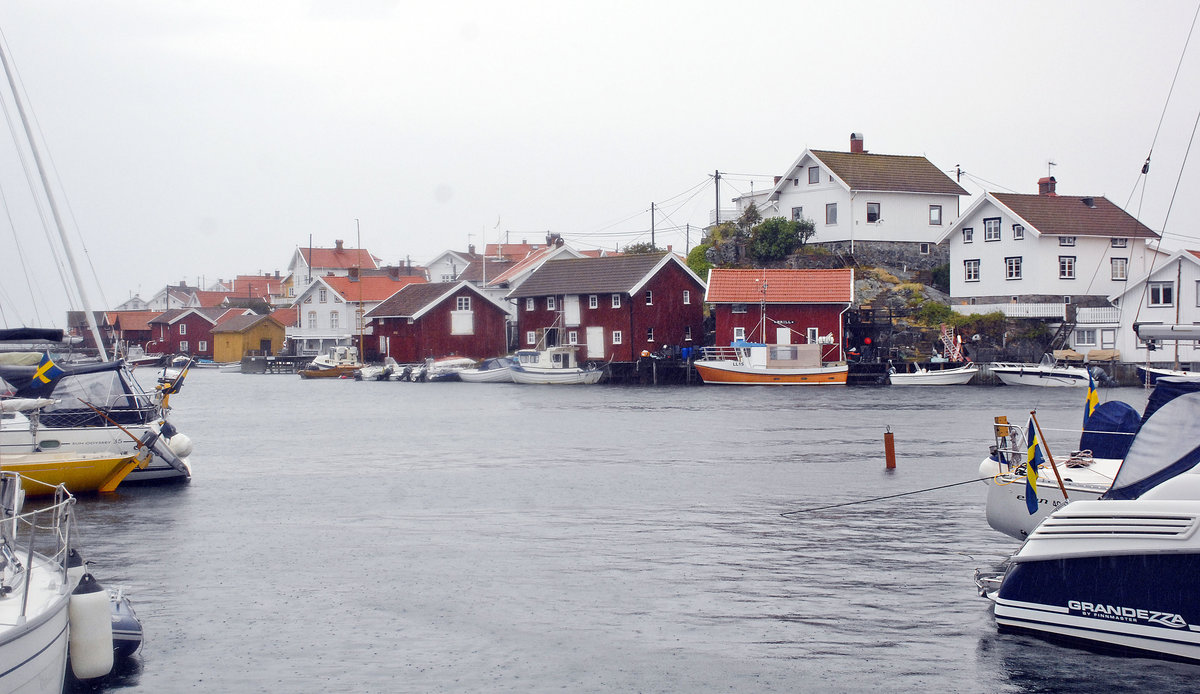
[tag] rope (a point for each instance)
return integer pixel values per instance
(881, 498)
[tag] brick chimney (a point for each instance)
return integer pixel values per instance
(856, 143)
(339, 245)
(1046, 185)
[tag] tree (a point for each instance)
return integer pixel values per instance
(775, 239)
(641, 248)
(697, 260)
(750, 217)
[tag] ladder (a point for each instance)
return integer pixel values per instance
(952, 350)
(1062, 335)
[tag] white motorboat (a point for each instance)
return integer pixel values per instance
(1047, 373)
(1118, 572)
(447, 368)
(92, 408)
(494, 370)
(1149, 375)
(46, 601)
(921, 376)
(556, 365)
(378, 372)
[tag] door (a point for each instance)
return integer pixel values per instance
(595, 342)
(571, 309)
(264, 347)
(783, 336)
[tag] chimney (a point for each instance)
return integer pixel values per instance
(339, 245)
(276, 273)
(856, 143)
(393, 272)
(1090, 202)
(353, 274)
(1046, 185)
(471, 249)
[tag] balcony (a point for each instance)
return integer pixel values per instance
(1083, 315)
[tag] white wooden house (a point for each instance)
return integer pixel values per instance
(307, 264)
(1169, 294)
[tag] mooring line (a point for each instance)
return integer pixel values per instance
(881, 498)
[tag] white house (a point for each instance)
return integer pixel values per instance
(1169, 294)
(447, 266)
(308, 263)
(897, 201)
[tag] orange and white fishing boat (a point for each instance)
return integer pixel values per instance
(749, 364)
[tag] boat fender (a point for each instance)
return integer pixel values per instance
(75, 567)
(181, 445)
(91, 639)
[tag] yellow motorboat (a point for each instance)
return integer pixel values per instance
(80, 473)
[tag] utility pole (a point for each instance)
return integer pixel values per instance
(652, 226)
(687, 236)
(717, 209)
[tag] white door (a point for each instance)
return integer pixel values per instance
(783, 336)
(595, 342)
(571, 309)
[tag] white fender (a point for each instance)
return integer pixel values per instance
(181, 444)
(91, 630)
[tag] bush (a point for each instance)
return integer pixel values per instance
(697, 260)
(774, 239)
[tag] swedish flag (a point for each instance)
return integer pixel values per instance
(1091, 401)
(1032, 462)
(46, 373)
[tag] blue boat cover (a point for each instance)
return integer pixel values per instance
(1164, 447)
(1166, 389)
(1110, 430)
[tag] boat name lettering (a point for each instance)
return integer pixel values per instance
(1127, 614)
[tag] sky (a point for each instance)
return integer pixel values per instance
(197, 141)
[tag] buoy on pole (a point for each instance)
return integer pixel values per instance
(889, 448)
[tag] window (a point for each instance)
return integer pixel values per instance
(202, 345)
(447, 278)
(1118, 268)
(572, 337)
(687, 333)
(1018, 232)
(739, 308)
(739, 334)
(649, 298)
(872, 212)
(797, 214)
(831, 213)
(1120, 243)
(1108, 338)
(687, 296)
(925, 249)
(337, 299)
(1012, 268)
(1066, 267)
(616, 337)
(183, 345)
(291, 291)
(463, 303)
(1067, 299)
(1161, 294)
(529, 303)
(322, 295)
(1066, 240)
(531, 338)
(333, 320)
(968, 235)
(971, 270)
(183, 328)
(991, 229)
(593, 301)
(811, 335)
(1085, 337)
(814, 174)
(616, 301)
(551, 303)
(649, 334)
(312, 320)
(935, 215)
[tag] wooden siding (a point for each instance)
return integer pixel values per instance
(826, 318)
(429, 335)
(167, 338)
(232, 346)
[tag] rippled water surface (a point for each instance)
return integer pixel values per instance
(382, 537)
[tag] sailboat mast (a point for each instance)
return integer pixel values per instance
(62, 234)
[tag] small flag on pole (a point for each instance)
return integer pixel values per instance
(46, 372)
(1091, 401)
(1032, 462)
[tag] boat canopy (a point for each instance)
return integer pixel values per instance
(1109, 430)
(107, 385)
(1162, 449)
(1166, 389)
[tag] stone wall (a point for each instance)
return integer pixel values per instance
(903, 255)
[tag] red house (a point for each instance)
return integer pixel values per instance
(801, 307)
(439, 319)
(133, 327)
(617, 306)
(186, 331)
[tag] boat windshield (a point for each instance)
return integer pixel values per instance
(1159, 452)
(110, 388)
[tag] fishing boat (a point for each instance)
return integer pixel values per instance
(954, 376)
(1118, 572)
(557, 365)
(749, 363)
(1048, 372)
(47, 602)
(338, 362)
(494, 370)
(91, 409)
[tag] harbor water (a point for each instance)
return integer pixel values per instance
(343, 536)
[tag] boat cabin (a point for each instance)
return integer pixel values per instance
(558, 357)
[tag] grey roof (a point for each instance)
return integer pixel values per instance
(616, 274)
(409, 300)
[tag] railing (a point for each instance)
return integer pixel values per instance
(1083, 314)
(56, 518)
(735, 354)
(725, 216)
(1098, 314)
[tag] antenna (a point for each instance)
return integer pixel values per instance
(1050, 163)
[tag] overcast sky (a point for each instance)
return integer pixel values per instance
(202, 140)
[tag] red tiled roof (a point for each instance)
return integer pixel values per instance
(888, 172)
(288, 316)
(511, 251)
(1069, 215)
(209, 299)
(344, 258)
(256, 285)
(783, 286)
(1195, 253)
(372, 287)
(133, 320)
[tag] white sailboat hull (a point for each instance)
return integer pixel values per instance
(33, 657)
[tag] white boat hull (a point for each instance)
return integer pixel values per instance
(556, 376)
(17, 437)
(33, 657)
(1039, 375)
(944, 377)
(488, 376)
(1007, 510)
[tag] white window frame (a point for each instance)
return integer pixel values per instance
(552, 303)
(649, 334)
(1118, 242)
(1156, 294)
(739, 334)
(202, 345)
(530, 337)
(1123, 264)
(462, 303)
(1012, 267)
(935, 215)
(593, 301)
(616, 337)
(831, 214)
(649, 297)
(991, 229)
(924, 249)
(971, 270)
(334, 319)
(812, 334)
(687, 333)
(1066, 240)
(312, 320)
(1066, 267)
(529, 303)
(322, 295)
(968, 235)
(616, 301)
(1018, 232)
(183, 328)
(572, 337)
(687, 296)
(183, 345)
(876, 215)
(1085, 337)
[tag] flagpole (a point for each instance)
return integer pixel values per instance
(1049, 456)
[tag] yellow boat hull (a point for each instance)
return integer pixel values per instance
(79, 473)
